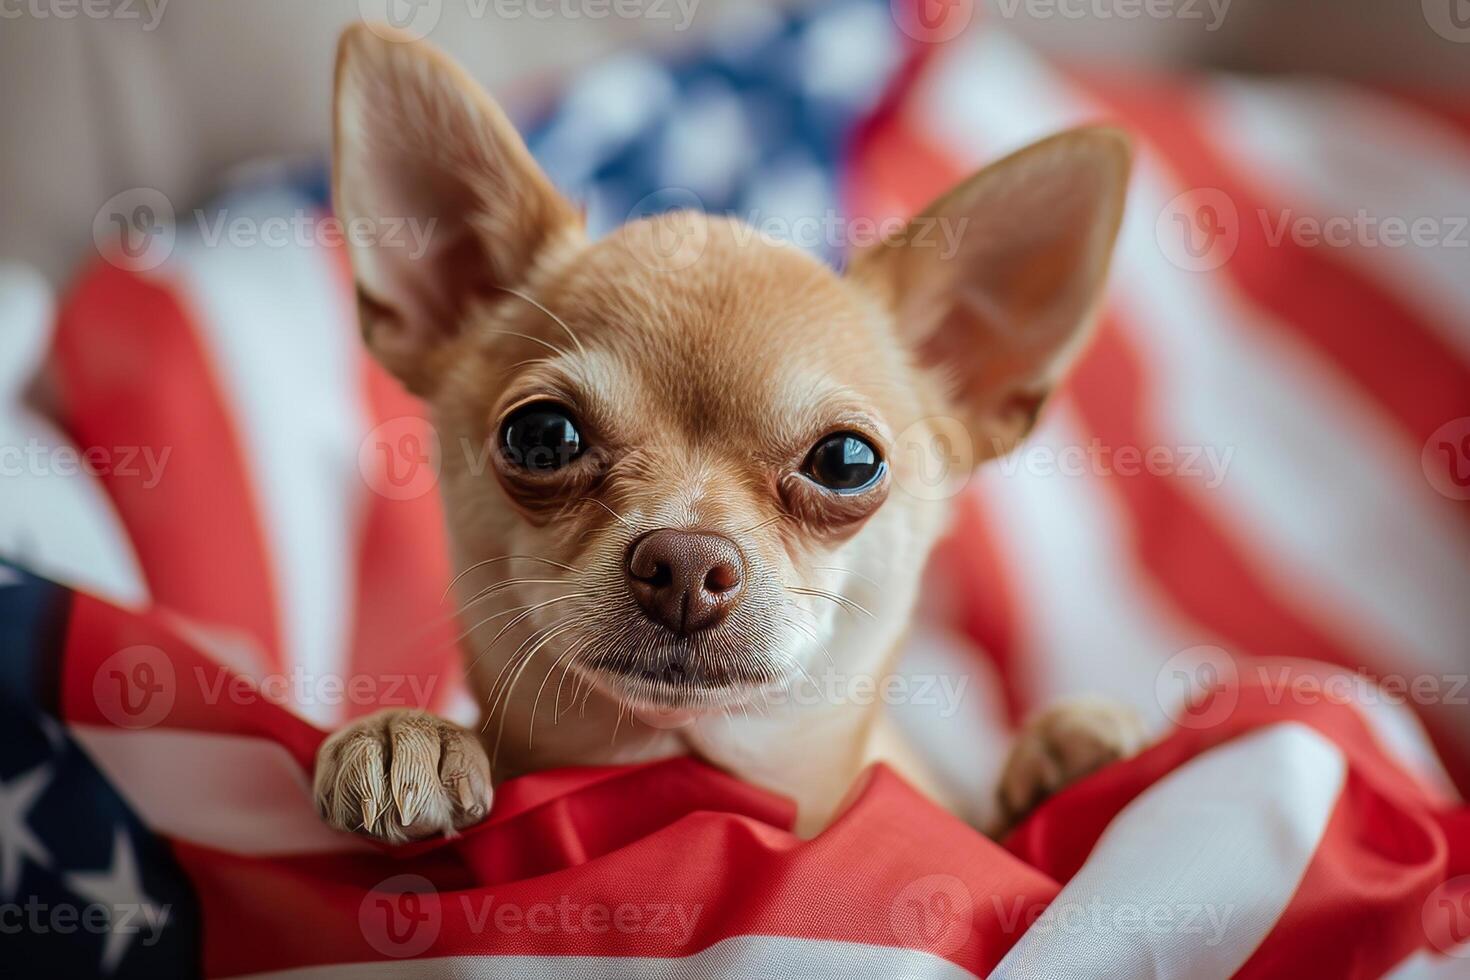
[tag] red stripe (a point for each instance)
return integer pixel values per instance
(1374, 869)
(897, 171)
(134, 374)
(1365, 331)
(1186, 551)
(971, 558)
(1210, 575)
(130, 670)
(664, 836)
(402, 632)
(1357, 910)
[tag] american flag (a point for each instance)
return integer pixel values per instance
(1299, 523)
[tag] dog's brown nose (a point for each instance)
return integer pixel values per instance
(685, 580)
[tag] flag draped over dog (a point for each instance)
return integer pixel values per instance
(1246, 515)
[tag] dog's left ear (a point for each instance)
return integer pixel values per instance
(994, 285)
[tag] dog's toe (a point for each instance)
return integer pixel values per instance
(402, 775)
(1062, 745)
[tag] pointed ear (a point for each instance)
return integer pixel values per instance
(994, 286)
(420, 146)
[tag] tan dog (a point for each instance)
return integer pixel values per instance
(692, 497)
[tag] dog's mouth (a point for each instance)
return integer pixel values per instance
(680, 676)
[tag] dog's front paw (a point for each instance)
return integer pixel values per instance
(402, 775)
(1060, 746)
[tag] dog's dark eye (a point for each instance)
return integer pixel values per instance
(844, 462)
(541, 438)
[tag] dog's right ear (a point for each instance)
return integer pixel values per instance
(440, 201)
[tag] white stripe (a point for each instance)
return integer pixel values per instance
(956, 700)
(1331, 151)
(1327, 491)
(55, 517)
(1089, 623)
(1329, 494)
(767, 957)
(1244, 822)
(232, 793)
(1433, 966)
(274, 323)
(1401, 735)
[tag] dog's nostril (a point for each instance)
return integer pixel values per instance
(722, 578)
(685, 580)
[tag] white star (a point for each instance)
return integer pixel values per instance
(16, 840)
(52, 731)
(129, 909)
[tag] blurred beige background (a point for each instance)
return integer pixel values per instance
(171, 96)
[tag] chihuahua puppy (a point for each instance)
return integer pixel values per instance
(693, 497)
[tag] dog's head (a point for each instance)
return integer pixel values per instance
(683, 460)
